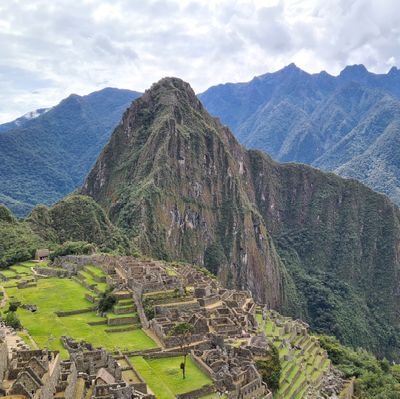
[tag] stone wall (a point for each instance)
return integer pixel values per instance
(51, 272)
(202, 366)
(121, 321)
(348, 390)
(51, 379)
(172, 341)
(197, 393)
(72, 379)
(73, 312)
(160, 310)
(123, 329)
(91, 298)
(140, 310)
(3, 360)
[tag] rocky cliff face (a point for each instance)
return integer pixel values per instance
(314, 244)
(180, 184)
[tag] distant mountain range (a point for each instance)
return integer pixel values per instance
(348, 124)
(23, 120)
(46, 154)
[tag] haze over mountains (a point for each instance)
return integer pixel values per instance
(349, 124)
(46, 157)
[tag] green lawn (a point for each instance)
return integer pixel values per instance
(46, 328)
(89, 279)
(96, 271)
(20, 269)
(164, 376)
(9, 273)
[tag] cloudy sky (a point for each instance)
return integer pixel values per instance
(49, 49)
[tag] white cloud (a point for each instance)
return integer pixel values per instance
(50, 49)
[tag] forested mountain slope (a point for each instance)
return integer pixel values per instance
(347, 124)
(48, 156)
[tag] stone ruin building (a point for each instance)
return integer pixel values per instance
(232, 368)
(209, 308)
(223, 344)
(30, 373)
(89, 373)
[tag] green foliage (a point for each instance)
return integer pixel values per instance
(182, 329)
(322, 247)
(354, 133)
(17, 240)
(214, 257)
(375, 378)
(270, 369)
(6, 215)
(78, 218)
(49, 156)
(149, 310)
(12, 320)
(12, 307)
(106, 302)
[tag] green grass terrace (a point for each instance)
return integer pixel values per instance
(164, 376)
(53, 295)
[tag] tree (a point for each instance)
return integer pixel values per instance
(12, 307)
(214, 257)
(270, 369)
(12, 320)
(183, 331)
(106, 302)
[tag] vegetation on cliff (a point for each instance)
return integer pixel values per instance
(78, 218)
(18, 241)
(375, 379)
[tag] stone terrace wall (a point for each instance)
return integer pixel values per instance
(348, 390)
(197, 393)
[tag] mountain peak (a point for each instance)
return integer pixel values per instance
(171, 91)
(292, 68)
(354, 71)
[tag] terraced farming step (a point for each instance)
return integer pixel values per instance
(303, 361)
(120, 320)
